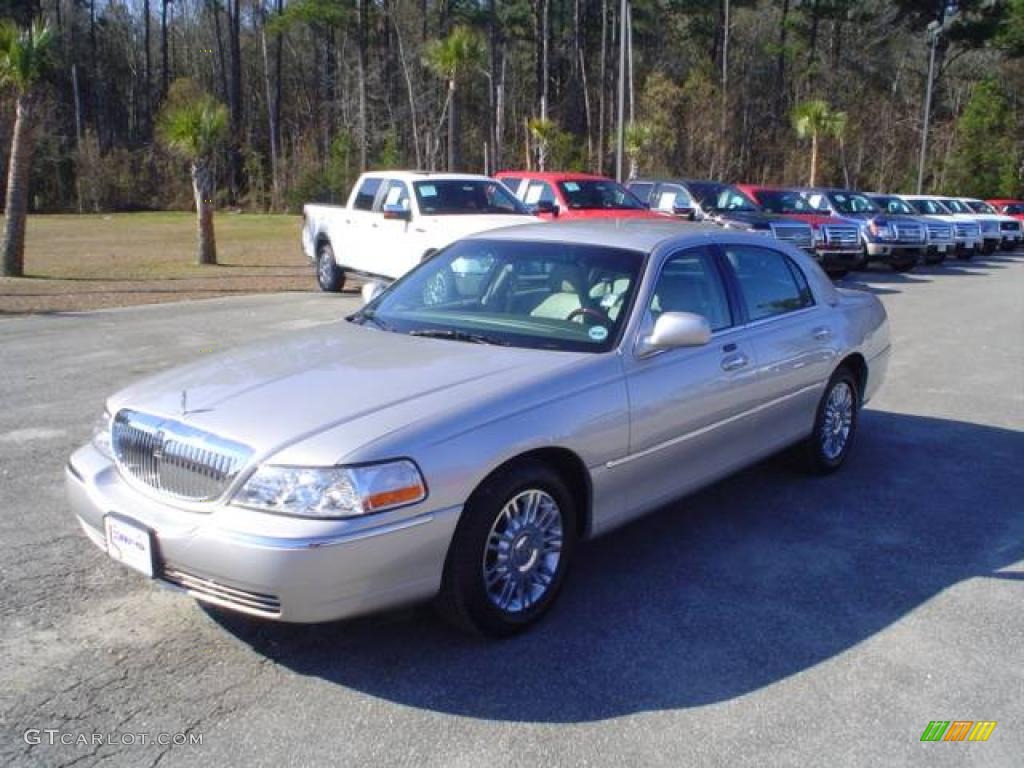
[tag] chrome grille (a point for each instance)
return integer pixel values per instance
(964, 231)
(840, 235)
(174, 458)
(799, 235)
(214, 592)
(907, 232)
(1010, 226)
(940, 233)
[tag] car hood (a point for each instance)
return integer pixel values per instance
(752, 219)
(604, 213)
(817, 219)
(276, 393)
(455, 226)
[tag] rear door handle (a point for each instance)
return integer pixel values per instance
(734, 362)
(820, 334)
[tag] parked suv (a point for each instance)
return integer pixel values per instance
(566, 195)
(897, 240)
(941, 234)
(966, 232)
(723, 204)
(1009, 226)
(836, 241)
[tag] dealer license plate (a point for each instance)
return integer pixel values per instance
(130, 544)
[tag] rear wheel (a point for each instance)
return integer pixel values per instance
(835, 424)
(329, 275)
(510, 552)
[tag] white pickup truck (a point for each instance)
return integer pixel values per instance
(396, 219)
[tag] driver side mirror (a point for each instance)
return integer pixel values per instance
(372, 290)
(399, 212)
(675, 329)
(545, 206)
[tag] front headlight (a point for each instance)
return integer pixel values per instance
(333, 491)
(881, 231)
(101, 435)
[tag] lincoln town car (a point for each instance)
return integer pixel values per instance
(460, 434)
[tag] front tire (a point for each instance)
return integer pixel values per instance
(511, 551)
(329, 275)
(835, 424)
(837, 274)
(903, 266)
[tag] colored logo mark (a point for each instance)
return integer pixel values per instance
(958, 730)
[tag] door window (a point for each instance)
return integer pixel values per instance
(689, 282)
(396, 193)
(367, 194)
(771, 284)
(672, 196)
(539, 192)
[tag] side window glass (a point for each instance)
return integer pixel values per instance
(539, 192)
(367, 194)
(689, 282)
(512, 184)
(671, 196)
(769, 281)
(397, 193)
(641, 189)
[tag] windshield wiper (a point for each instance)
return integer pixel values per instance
(455, 335)
(362, 317)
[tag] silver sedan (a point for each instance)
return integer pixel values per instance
(458, 436)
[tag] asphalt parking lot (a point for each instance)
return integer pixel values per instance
(769, 620)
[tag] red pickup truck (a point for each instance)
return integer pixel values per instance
(569, 195)
(837, 243)
(1008, 207)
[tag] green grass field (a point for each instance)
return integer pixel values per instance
(75, 262)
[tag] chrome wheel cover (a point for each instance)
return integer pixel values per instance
(325, 267)
(837, 421)
(523, 551)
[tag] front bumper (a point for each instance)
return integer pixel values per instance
(894, 252)
(844, 258)
(273, 566)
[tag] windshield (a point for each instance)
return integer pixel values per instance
(784, 201)
(599, 193)
(955, 205)
(538, 295)
(852, 203)
(980, 207)
(894, 205)
(445, 197)
(930, 207)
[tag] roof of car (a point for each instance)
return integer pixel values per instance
(424, 175)
(552, 175)
(631, 234)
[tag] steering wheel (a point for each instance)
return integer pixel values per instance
(587, 311)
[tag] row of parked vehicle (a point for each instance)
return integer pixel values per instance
(393, 220)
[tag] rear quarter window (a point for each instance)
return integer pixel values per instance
(367, 194)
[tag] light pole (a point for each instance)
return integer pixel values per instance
(934, 29)
(621, 137)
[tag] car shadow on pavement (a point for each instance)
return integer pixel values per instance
(740, 586)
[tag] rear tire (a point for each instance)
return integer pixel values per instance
(329, 275)
(835, 425)
(511, 551)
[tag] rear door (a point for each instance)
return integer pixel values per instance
(792, 337)
(354, 248)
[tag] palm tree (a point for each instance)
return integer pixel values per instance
(639, 141)
(814, 118)
(194, 125)
(24, 60)
(450, 59)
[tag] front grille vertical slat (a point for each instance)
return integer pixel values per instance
(175, 459)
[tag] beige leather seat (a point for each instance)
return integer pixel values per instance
(566, 284)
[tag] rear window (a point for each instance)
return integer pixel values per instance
(446, 197)
(784, 201)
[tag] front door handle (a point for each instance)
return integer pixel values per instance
(821, 334)
(734, 362)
